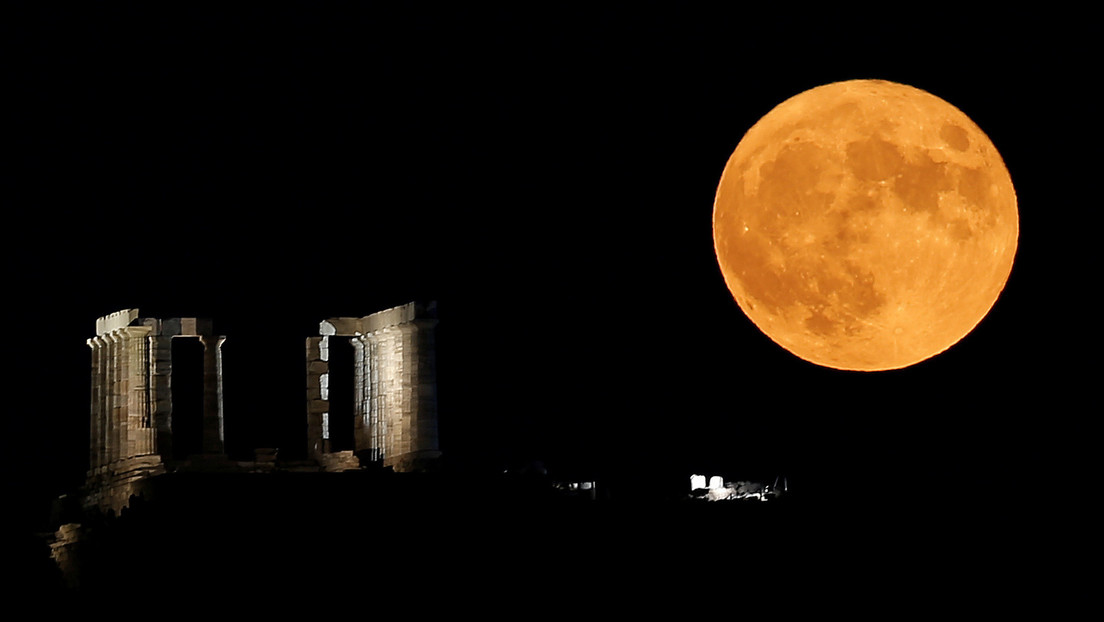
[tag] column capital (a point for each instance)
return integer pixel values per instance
(218, 340)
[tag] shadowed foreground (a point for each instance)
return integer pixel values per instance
(440, 543)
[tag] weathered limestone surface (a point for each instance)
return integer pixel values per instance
(395, 384)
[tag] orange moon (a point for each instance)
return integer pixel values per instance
(865, 225)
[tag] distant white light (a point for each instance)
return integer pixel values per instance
(326, 426)
(716, 482)
(697, 482)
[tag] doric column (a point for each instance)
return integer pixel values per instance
(316, 406)
(96, 406)
(139, 432)
(390, 396)
(218, 388)
(122, 395)
(107, 425)
(372, 396)
(360, 419)
(407, 388)
(113, 402)
(375, 425)
(212, 394)
(160, 391)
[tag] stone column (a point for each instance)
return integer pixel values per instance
(96, 400)
(212, 394)
(124, 383)
(316, 406)
(372, 397)
(139, 432)
(123, 435)
(121, 397)
(161, 393)
(390, 402)
(218, 389)
(406, 388)
(360, 419)
(113, 406)
(111, 373)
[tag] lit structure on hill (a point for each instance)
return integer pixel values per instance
(157, 398)
(716, 489)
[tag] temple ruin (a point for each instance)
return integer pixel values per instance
(146, 420)
(131, 432)
(395, 389)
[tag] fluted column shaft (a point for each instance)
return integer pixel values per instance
(372, 396)
(97, 434)
(407, 349)
(390, 396)
(113, 405)
(161, 394)
(138, 436)
(213, 433)
(360, 420)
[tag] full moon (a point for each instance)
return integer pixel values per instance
(865, 225)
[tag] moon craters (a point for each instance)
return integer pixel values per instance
(955, 137)
(874, 159)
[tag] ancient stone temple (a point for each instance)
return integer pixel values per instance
(132, 430)
(163, 497)
(394, 389)
(157, 399)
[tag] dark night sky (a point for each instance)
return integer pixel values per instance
(548, 179)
